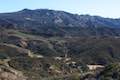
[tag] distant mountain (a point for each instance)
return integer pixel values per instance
(59, 23)
(46, 44)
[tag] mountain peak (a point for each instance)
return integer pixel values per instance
(26, 9)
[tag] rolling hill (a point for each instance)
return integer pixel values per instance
(43, 44)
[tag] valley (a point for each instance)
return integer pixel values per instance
(56, 45)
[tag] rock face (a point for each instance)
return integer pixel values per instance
(8, 74)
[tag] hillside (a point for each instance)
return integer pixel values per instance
(46, 44)
(49, 23)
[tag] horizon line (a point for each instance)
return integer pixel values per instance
(87, 14)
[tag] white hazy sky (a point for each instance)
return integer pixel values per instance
(104, 8)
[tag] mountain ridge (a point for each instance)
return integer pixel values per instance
(56, 45)
(50, 22)
(25, 9)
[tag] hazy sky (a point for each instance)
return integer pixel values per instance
(105, 8)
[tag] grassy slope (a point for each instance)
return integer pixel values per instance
(85, 50)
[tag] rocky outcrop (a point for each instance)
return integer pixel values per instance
(7, 73)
